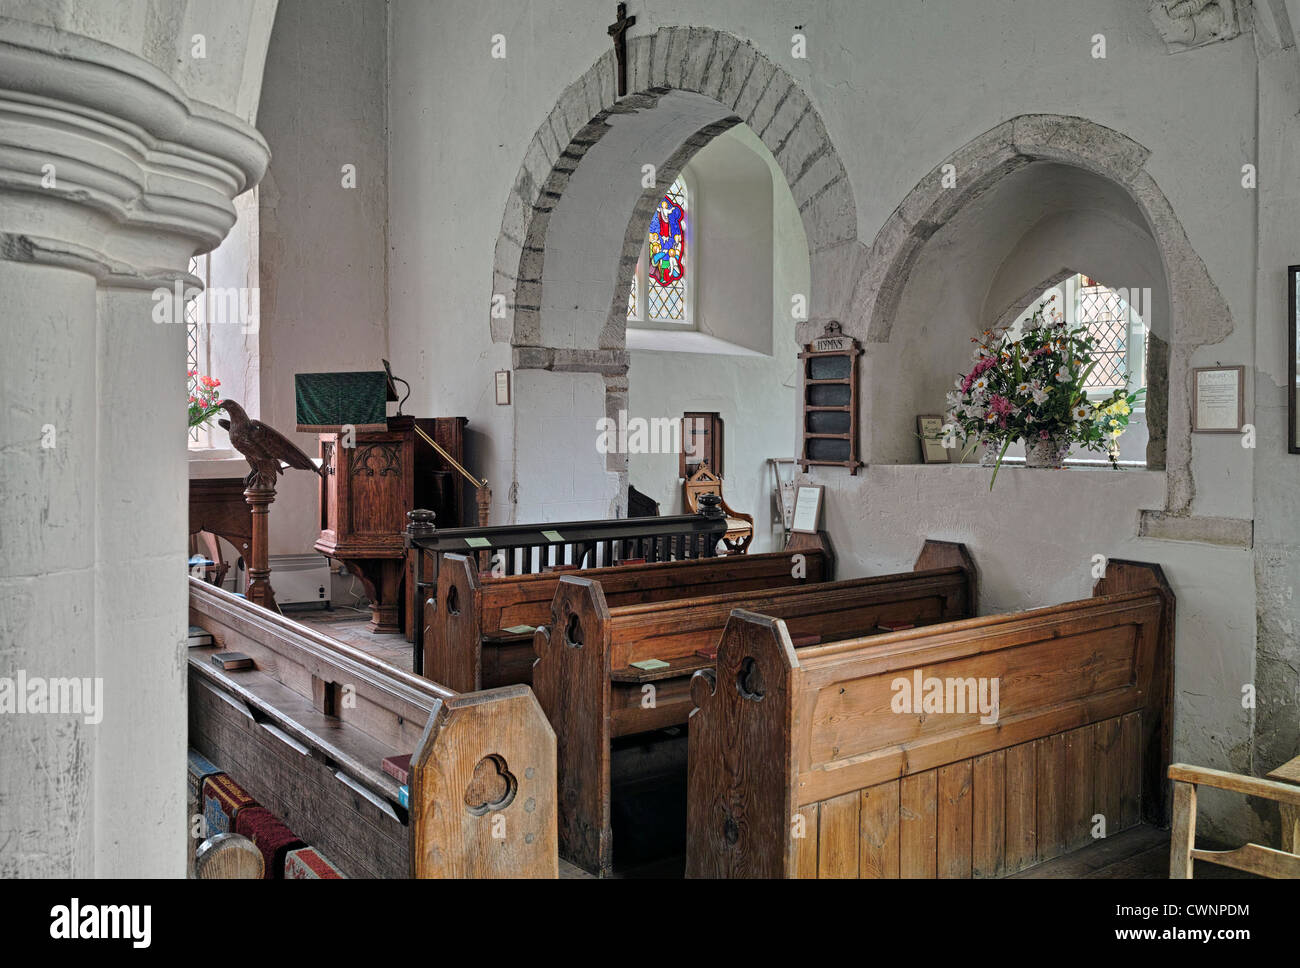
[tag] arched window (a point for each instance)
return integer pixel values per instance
(661, 287)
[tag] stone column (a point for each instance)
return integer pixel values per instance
(111, 177)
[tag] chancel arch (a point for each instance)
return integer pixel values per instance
(575, 226)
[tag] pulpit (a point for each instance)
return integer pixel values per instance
(366, 491)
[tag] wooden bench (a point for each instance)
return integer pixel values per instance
(799, 765)
(467, 644)
(591, 693)
(306, 732)
(1280, 787)
(522, 549)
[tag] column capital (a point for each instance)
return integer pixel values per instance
(105, 163)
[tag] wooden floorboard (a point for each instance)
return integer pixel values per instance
(1141, 852)
(349, 627)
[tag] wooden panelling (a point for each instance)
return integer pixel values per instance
(955, 815)
(1078, 689)
(918, 825)
(1022, 808)
(837, 836)
(879, 856)
(988, 814)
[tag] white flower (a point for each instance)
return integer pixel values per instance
(1063, 375)
(1082, 412)
(1039, 393)
(1033, 323)
(1024, 389)
(979, 386)
(954, 399)
(949, 436)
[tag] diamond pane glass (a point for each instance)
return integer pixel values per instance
(1106, 317)
(192, 335)
(666, 244)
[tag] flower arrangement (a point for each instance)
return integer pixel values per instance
(205, 398)
(1034, 389)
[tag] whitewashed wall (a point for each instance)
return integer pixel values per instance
(900, 88)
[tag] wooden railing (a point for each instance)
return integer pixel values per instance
(524, 549)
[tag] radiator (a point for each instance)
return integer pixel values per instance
(300, 579)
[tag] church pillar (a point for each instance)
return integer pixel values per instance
(111, 177)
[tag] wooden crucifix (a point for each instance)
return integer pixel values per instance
(618, 31)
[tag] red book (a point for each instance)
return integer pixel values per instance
(895, 626)
(398, 767)
(808, 638)
(632, 561)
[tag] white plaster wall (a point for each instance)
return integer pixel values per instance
(323, 247)
(754, 394)
(899, 87)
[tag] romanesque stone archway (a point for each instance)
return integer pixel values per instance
(697, 60)
(1199, 314)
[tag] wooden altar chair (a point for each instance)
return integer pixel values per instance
(740, 526)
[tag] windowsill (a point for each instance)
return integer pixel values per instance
(212, 453)
(683, 340)
(206, 463)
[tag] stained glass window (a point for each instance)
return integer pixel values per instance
(660, 291)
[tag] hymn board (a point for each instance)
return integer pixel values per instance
(829, 423)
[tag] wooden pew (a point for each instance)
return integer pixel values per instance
(466, 645)
(306, 731)
(800, 767)
(591, 693)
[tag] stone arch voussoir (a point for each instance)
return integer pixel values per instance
(698, 60)
(1199, 315)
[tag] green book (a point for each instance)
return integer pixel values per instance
(649, 665)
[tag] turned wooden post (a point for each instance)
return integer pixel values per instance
(483, 497)
(259, 590)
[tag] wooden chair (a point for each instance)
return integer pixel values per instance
(740, 526)
(1252, 858)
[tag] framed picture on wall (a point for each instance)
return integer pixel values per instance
(1218, 399)
(1293, 346)
(807, 509)
(928, 428)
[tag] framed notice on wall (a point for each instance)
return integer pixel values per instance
(807, 509)
(928, 428)
(1218, 399)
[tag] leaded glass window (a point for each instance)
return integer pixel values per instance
(1106, 316)
(659, 285)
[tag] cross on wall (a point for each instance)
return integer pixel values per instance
(618, 32)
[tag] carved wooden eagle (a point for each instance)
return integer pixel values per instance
(263, 447)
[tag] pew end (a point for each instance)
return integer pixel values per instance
(482, 770)
(970, 748)
(1123, 576)
(819, 542)
(951, 554)
(571, 682)
(741, 808)
(451, 649)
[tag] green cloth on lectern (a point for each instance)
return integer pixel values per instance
(330, 400)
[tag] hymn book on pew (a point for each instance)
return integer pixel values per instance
(398, 767)
(229, 661)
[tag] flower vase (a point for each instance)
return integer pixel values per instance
(1046, 452)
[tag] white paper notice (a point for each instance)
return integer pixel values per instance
(1217, 393)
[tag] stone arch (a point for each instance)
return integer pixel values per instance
(694, 60)
(1199, 315)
